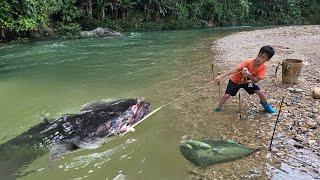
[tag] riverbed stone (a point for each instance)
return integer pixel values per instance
(312, 141)
(316, 92)
(311, 136)
(312, 124)
(312, 115)
(299, 138)
(315, 110)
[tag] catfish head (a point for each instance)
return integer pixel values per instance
(126, 120)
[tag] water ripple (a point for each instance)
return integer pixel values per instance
(101, 157)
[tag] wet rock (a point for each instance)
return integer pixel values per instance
(100, 32)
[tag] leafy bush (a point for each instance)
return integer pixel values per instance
(67, 30)
(89, 24)
(20, 18)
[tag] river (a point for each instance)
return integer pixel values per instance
(50, 78)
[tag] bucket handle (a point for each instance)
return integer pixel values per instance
(280, 64)
(276, 71)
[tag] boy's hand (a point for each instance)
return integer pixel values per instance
(245, 72)
(217, 80)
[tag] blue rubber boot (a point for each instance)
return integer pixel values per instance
(268, 108)
(217, 109)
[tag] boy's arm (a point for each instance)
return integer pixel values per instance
(228, 73)
(238, 69)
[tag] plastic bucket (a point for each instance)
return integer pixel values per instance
(291, 69)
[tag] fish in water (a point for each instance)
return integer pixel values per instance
(87, 129)
(205, 152)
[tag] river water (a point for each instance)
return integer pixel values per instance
(50, 78)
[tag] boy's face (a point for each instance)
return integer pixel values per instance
(260, 59)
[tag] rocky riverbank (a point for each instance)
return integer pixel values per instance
(296, 145)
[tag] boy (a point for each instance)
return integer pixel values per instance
(245, 76)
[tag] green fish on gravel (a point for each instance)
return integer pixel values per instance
(205, 152)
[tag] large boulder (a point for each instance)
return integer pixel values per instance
(100, 32)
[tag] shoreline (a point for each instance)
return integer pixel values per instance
(298, 130)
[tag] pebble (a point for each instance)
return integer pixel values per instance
(316, 92)
(311, 124)
(315, 110)
(311, 135)
(311, 115)
(299, 138)
(299, 146)
(312, 141)
(303, 129)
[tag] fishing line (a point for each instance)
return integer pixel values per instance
(167, 104)
(188, 93)
(181, 76)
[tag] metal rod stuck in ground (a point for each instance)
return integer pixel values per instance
(275, 126)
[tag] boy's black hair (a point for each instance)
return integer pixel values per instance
(268, 50)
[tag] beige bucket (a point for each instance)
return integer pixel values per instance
(291, 69)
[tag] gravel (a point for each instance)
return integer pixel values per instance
(298, 131)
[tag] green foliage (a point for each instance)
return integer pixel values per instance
(67, 30)
(20, 18)
(88, 24)
(20, 40)
(69, 11)
(285, 11)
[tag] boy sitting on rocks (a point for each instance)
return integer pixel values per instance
(245, 76)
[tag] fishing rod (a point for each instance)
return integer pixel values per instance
(213, 79)
(240, 105)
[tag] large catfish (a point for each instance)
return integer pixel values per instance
(86, 129)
